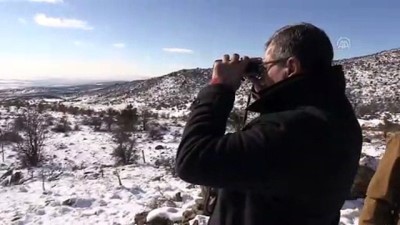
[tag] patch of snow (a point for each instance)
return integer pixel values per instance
(170, 213)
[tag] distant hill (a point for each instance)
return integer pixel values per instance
(373, 85)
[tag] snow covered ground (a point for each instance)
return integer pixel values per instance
(88, 192)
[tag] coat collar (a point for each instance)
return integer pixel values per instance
(301, 89)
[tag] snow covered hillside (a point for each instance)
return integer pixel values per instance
(373, 85)
(95, 170)
(77, 181)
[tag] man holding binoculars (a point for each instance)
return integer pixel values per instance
(294, 163)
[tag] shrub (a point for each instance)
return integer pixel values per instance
(63, 126)
(33, 137)
(168, 163)
(125, 152)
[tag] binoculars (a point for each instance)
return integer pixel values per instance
(255, 68)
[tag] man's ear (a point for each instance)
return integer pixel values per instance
(294, 66)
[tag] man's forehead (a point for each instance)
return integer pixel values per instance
(268, 52)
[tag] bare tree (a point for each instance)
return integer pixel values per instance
(33, 137)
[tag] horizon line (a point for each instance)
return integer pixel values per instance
(144, 77)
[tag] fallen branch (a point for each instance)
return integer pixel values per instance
(26, 180)
(55, 177)
(8, 173)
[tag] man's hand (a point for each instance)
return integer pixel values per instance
(229, 71)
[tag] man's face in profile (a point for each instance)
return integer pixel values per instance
(273, 70)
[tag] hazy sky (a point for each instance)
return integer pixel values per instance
(127, 39)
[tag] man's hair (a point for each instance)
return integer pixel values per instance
(308, 43)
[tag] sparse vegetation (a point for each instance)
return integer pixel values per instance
(19, 123)
(10, 137)
(49, 119)
(109, 119)
(161, 200)
(168, 163)
(63, 126)
(156, 131)
(7, 138)
(94, 122)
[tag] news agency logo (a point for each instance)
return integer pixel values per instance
(343, 43)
